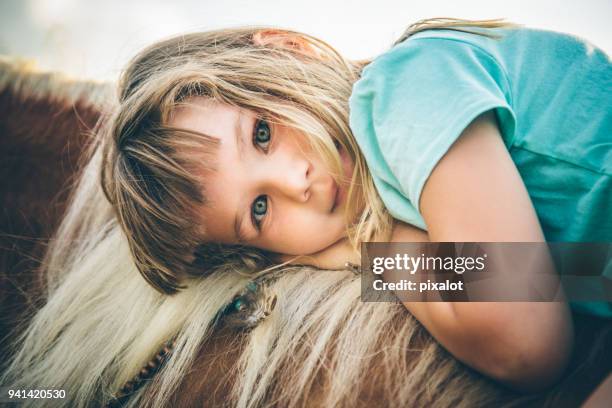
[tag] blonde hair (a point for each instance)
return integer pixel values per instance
(148, 173)
(102, 321)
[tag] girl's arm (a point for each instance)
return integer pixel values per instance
(475, 193)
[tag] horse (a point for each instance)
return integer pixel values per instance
(319, 346)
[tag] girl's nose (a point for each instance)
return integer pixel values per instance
(291, 179)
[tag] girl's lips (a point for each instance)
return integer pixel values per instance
(335, 190)
(339, 192)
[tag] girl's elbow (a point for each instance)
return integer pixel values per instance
(537, 364)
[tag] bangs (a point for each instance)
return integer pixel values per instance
(158, 195)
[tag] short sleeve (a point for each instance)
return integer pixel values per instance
(413, 102)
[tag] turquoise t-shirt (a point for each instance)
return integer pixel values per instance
(552, 95)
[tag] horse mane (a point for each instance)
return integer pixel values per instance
(21, 79)
(348, 353)
(45, 123)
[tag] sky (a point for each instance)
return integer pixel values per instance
(95, 39)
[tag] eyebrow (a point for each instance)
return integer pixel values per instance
(237, 229)
(238, 136)
(240, 146)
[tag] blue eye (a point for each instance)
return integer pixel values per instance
(262, 134)
(259, 210)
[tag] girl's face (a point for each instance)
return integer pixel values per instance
(269, 190)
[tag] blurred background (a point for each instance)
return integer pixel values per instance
(94, 39)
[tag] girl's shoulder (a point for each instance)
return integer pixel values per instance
(413, 101)
(430, 49)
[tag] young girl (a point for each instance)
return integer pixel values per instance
(456, 131)
(264, 146)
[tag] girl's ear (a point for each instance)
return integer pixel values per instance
(284, 39)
